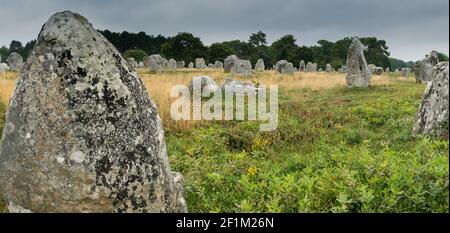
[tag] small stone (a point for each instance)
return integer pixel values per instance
(259, 66)
(229, 63)
(15, 61)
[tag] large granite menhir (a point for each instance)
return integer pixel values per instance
(358, 72)
(82, 133)
(432, 118)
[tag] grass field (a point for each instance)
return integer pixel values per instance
(335, 150)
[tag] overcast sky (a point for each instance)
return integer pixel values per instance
(412, 28)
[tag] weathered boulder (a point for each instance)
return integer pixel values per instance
(211, 66)
(358, 73)
(320, 69)
(301, 67)
(165, 64)
(432, 118)
(423, 69)
(387, 70)
(180, 64)
(375, 69)
(259, 66)
(239, 88)
(404, 72)
(154, 62)
(141, 64)
(218, 65)
(4, 67)
(15, 61)
(284, 67)
(328, 68)
(229, 63)
(200, 63)
(242, 67)
(82, 134)
(205, 82)
(310, 67)
(172, 64)
(191, 65)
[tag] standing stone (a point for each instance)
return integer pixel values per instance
(328, 68)
(396, 71)
(207, 84)
(259, 66)
(155, 62)
(320, 70)
(4, 67)
(358, 73)
(82, 134)
(165, 63)
(432, 118)
(218, 65)
(200, 63)
(423, 69)
(172, 64)
(387, 70)
(375, 69)
(310, 67)
(211, 66)
(404, 72)
(229, 63)
(242, 67)
(141, 64)
(284, 67)
(191, 65)
(180, 64)
(15, 61)
(301, 67)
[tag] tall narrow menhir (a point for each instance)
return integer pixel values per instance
(82, 133)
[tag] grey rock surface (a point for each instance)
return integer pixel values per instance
(284, 67)
(328, 68)
(200, 63)
(432, 117)
(172, 64)
(180, 64)
(302, 66)
(242, 67)
(358, 73)
(81, 133)
(15, 61)
(229, 63)
(154, 62)
(423, 69)
(259, 66)
(218, 65)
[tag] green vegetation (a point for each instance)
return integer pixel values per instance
(342, 150)
(137, 54)
(337, 150)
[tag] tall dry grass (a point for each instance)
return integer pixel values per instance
(159, 85)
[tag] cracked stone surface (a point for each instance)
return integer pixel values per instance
(82, 134)
(432, 118)
(358, 72)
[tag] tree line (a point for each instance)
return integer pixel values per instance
(185, 46)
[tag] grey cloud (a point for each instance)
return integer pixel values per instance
(411, 27)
